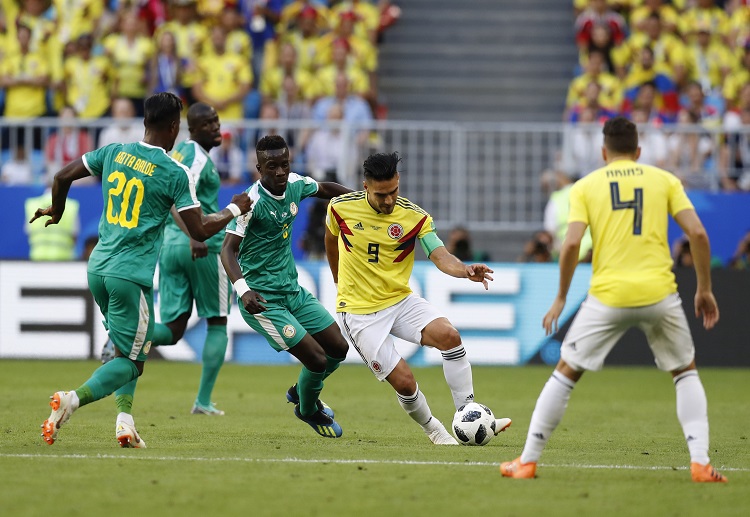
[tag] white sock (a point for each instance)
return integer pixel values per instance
(416, 407)
(127, 418)
(457, 371)
(549, 410)
(692, 411)
(75, 402)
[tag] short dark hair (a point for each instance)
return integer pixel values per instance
(271, 143)
(198, 111)
(381, 166)
(620, 136)
(161, 109)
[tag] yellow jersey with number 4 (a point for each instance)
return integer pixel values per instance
(376, 251)
(626, 204)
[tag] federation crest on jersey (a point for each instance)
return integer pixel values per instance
(293, 208)
(376, 367)
(289, 331)
(395, 231)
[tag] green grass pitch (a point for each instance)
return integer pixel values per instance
(618, 451)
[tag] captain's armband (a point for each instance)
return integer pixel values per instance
(430, 243)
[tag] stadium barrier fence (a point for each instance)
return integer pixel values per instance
(484, 175)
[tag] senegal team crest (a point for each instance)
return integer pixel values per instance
(289, 331)
(293, 208)
(395, 231)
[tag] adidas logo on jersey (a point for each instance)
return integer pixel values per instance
(359, 226)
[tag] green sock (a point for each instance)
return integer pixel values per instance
(213, 357)
(332, 364)
(106, 379)
(162, 335)
(124, 397)
(309, 386)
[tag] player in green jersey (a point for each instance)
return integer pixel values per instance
(257, 255)
(140, 183)
(191, 270)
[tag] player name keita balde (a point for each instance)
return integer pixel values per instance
(137, 164)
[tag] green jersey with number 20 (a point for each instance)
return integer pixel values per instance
(265, 253)
(140, 183)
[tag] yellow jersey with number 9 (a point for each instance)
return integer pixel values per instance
(626, 204)
(140, 183)
(376, 251)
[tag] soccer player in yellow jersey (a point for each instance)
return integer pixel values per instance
(370, 241)
(627, 205)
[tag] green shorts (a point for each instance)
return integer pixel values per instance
(128, 310)
(288, 318)
(182, 280)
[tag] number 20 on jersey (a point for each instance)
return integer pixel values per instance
(128, 195)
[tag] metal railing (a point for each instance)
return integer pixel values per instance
(487, 176)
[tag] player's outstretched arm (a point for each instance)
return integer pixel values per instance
(63, 179)
(700, 249)
(330, 189)
(251, 300)
(197, 249)
(568, 262)
(332, 253)
(202, 226)
(451, 265)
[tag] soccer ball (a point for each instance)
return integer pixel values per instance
(474, 424)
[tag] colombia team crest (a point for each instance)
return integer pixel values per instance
(395, 231)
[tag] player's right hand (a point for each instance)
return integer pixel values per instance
(243, 201)
(706, 306)
(198, 249)
(252, 302)
(553, 314)
(49, 212)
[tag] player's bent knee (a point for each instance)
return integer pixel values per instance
(403, 382)
(453, 338)
(316, 362)
(338, 348)
(447, 338)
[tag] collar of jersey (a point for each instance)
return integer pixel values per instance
(374, 210)
(280, 198)
(152, 146)
(199, 146)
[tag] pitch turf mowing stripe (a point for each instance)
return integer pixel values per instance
(342, 461)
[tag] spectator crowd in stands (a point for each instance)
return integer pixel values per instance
(250, 59)
(663, 63)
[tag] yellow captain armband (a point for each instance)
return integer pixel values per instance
(430, 243)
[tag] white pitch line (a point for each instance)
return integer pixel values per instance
(344, 462)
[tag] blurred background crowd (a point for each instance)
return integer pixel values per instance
(666, 65)
(250, 59)
(74, 75)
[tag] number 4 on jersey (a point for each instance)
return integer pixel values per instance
(636, 204)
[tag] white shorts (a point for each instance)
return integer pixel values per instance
(597, 327)
(370, 334)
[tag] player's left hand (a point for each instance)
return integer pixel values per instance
(550, 319)
(49, 212)
(198, 249)
(253, 302)
(479, 273)
(706, 306)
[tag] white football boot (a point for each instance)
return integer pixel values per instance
(126, 434)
